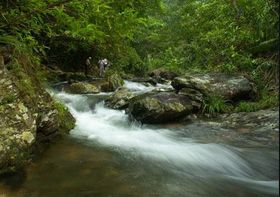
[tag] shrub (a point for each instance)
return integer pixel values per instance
(266, 100)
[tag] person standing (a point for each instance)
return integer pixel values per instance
(87, 65)
(102, 66)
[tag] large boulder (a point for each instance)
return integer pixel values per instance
(251, 129)
(82, 88)
(163, 73)
(29, 117)
(119, 99)
(268, 118)
(217, 84)
(109, 83)
(194, 95)
(160, 107)
(114, 82)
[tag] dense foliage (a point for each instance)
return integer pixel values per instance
(69, 31)
(138, 35)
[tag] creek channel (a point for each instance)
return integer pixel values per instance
(106, 155)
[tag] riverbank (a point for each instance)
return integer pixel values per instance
(29, 117)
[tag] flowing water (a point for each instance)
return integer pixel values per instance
(106, 155)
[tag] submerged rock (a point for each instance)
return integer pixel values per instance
(217, 84)
(119, 99)
(160, 107)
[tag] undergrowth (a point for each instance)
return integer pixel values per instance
(214, 104)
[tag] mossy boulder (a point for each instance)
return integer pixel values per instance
(29, 117)
(119, 99)
(110, 83)
(82, 88)
(162, 75)
(114, 82)
(91, 85)
(194, 95)
(223, 85)
(160, 107)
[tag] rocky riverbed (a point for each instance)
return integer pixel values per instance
(124, 123)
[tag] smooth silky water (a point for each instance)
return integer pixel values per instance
(107, 155)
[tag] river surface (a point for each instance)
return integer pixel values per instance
(106, 155)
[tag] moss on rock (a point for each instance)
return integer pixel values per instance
(28, 114)
(119, 99)
(82, 88)
(160, 107)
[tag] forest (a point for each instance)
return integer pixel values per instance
(138, 36)
(219, 60)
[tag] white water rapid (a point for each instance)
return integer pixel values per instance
(185, 156)
(137, 87)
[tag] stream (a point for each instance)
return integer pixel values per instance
(106, 155)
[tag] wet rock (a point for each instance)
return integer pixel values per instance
(251, 129)
(17, 134)
(24, 107)
(114, 82)
(82, 88)
(163, 73)
(119, 99)
(160, 107)
(217, 84)
(268, 118)
(108, 84)
(48, 123)
(194, 95)
(243, 129)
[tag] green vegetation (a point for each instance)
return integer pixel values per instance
(214, 104)
(266, 101)
(140, 35)
(65, 121)
(9, 98)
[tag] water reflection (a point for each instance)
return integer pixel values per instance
(78, 168)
